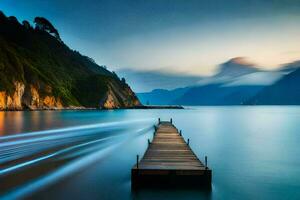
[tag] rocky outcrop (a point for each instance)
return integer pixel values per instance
(12, 101)
(28, 97)
(116, 98)
(32, 97)
(35, 97)
(111, 101)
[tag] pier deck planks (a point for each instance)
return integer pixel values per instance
(169, 160)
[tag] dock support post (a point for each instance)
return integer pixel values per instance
(205, 162)
(171, 121)
(188, 142)
(137, 161)
(180, 133)
(158, 120)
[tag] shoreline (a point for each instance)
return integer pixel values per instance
(156, 107)
(93, 108)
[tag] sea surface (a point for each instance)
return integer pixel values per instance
(254, 152)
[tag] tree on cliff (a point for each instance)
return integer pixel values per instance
(26, 24)
(43, 24)
(123, 80)
(13, 19)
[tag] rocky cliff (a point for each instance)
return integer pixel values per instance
(38, 71)
(28, 97)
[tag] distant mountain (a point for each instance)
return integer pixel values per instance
(146, 81)
(217, 94)
(161, 97)
(290, 67)
(286, 91)
(38, 71)
(237, 82)
(236, 67)
(235, 70)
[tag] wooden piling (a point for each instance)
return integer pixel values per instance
(206, 162)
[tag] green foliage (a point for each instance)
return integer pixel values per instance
(96, 83)
(36, 57)
(26, 24)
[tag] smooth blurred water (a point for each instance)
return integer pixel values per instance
(253, 152)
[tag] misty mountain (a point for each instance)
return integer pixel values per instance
(236, 67)
(239, 71)
(145, 81)
(236, 82)
(290, 67)
(286, 91)
(161, 96)
(217, 94)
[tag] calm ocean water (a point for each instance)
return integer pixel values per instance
(254, 152)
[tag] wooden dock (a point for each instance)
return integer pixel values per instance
(169, 161)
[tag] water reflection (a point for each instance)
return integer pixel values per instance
(70, 149)
(253, 152)
(36, 119)
(11, 122)
(2, 123)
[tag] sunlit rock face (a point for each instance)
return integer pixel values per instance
(28, 97)
(33, 98)
(111, 100)
(17, 96)
(116, 98)
(12, 101)
(3, 99)
(52, 102)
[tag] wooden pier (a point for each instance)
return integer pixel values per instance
(169, 161)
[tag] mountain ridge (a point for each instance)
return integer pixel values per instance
(236, 67)
(38, 71)
(244, 86)
(286, 91)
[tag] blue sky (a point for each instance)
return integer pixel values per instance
(178, 36)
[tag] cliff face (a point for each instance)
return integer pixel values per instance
(27, 97)
(38, 71)
(12, 101)
(115, 98)
(32, 99)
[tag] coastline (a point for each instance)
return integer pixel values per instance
(94, 108)
(156, 107)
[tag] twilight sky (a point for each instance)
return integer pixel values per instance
(191, 36)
